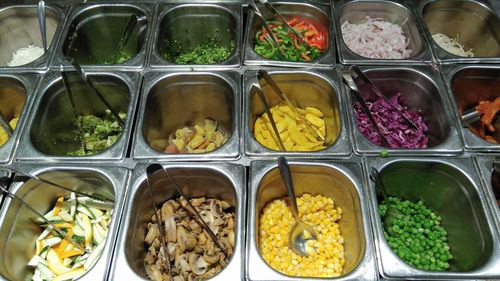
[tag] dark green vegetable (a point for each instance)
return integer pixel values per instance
(415, 234)
(120, 56)
(210, 52)
(98, 133)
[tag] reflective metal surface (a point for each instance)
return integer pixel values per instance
(303, 8)
(421, 90)
(342, 181)
(19, 232)
(467, 86)
(489, 170)
(451, 188)
(171, 101)
(304, 88)
(181, 27)
(17, 92)
(216, 180)
(473, 22)
(5, 176)
(89, 26)
(396, 12)
(19, 28)
(50, 131)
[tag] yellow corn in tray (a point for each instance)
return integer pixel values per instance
(326, 258)
(293, 133)
(4, 137)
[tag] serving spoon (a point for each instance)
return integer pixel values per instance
(301, 232)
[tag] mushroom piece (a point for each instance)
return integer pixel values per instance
(178, 278)
(211, 258)
(170, 229)
(154, 274)
(195, 226)
(198, 264)
(198, 201)
(216, 208)
(181, 262)
(156, 243)
(207, 217)
(152, 233)
(168, 209)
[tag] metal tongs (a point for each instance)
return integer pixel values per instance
(257, 12)
(5, 125)
(151, 169)
(355, 91)
(42, 23)
(277, 90)
(356, 72)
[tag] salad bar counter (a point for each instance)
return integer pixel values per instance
(146, 140)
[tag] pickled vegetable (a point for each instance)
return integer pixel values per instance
(415, 234)
(292, 49)
(193, 254)
(200, 138)
(4, 137)
(326, 258)
(57, 258)
(98, 133)
(293, 133)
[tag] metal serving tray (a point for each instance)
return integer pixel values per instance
(451, 188)
(192, 24)
(90, 42)
(17, 93)
(211, 180)
(477, 26)
(420, 89)
(172, 100)
(399, 12)
(303, 8)
(318, 88)
(50, 131)
(466, 86)
(19, 230)
(342, 181)
(487, 170)
(19, 28)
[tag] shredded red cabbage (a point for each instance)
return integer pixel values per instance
(395, 128)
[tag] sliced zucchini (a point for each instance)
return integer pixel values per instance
(94, 256)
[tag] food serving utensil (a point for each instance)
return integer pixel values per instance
(89, 82)
(67, 86)
(391, 213)
(301, 232)
(154, 168)
(131, 24)
(40, 216)
(96, 197)
(356, 72)
(257, 12)
(42, 23)
(262, 97)
(278, 14)
(166, 255)
(5, 125)
(263, 74)
(355, 91)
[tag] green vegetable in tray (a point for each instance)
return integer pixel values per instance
(98, 133)
(415, 234)
(210, 52)
(120, 56)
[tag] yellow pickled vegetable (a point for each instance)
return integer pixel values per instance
(326, 254)
(4, 137)
(293, 133)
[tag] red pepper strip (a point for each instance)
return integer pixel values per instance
(295, 42)
(305, 57)
(292, 21)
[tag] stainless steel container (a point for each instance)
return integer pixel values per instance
(173, 100)
(51, 133)
(473, 22)
(17, 92)
(19, 28)
(318, 88)
(399, 13)
(19, 231)
(421, 90)
(449, 187)
(211, 180)
(490, 176)
(317, 12)
(342, 181)
(181, 27)
(93, 33)
(467, 86)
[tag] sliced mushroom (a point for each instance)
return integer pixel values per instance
(195, 226)
(230, 223)
(178, 278)
(154, 274)
(156, 243)
(168, 209)
(181, 262)
(216, 208)
(198, 201)
(152, 233)
(211, 258)
(207, 217)
(170, 229)
(225, 205)
(198, 264)
(202, 238)
(230, 238)
(190, 242)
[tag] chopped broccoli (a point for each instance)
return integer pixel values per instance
(98, 133)
(206, 53)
